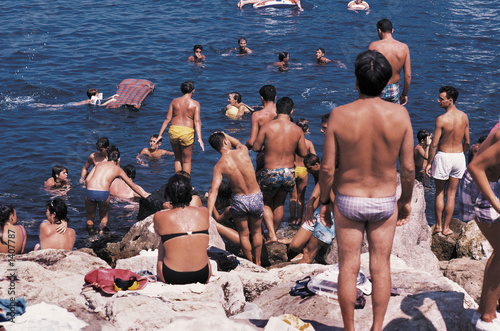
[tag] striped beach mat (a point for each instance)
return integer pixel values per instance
(131, 92)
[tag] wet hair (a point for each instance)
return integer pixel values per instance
(91, 92)
(450, 91)
(303, 124)
(156, 136)
(179, 191)
(130, 171)
(102, 142)
(284, 106)
(373, 72)
(57, 169)
(113, 153)
(6, 211)
(482, 138)
(325, 118)
(58, 206)
(236, 96)
(282, 56)
(422, 134)
(242, 38)
(216, 140)
(197, 47)
(268, 93)
(384, 25)
(311, 159)
(187, 87)
(322, 50)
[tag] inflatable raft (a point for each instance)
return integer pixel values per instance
(131, 93)
(275, 4)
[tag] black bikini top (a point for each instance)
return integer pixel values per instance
(166, 237)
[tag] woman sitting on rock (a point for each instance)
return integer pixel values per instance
(182, 253)
(54, 232)
(12, 236)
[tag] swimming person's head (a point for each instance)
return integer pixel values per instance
(179, 191)
(373, 72)
(113, 154)
(197, 47)
(187, 87)
(102, 144)
(284, 106)
(282, 56)
(268, 93)
(216, 140)
(92, 92)
(384, 25)
(56, 171)
(57, 209)
(236, 96)
(130, 171)
(451, 92)
(303, 124)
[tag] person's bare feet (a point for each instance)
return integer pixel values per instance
(437, 230)
(271, 240)
(447, 232)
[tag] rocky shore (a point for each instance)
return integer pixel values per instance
(436, 292)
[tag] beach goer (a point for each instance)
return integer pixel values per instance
(398, 55)
(358, 5)
(283, 59)
(12, 235)
(321, 59)
(280, 139)
(324, 122)
(242, 47)
(195, 198)
(184, 112)
(101, 155)
(421, 152)
(95, 98)
(59, 177)
(236, 108)
(54, 232)
(475, 147)
(183, 230)
(451, 140)
(266, 114)
(120, 189)
(370, 135)
(247, 205)
(242, 3)
(98, 185)
(154, 150)
(479, 195)
(197, 57)
(297, 196)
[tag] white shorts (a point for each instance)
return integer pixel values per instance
(446, 165)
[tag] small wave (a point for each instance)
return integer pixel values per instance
(11, 101)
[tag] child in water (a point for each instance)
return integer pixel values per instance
(59, 177)
(236, 108)
(154, 151)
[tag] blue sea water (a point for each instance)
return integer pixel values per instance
(53, 52)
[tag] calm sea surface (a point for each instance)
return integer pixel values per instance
(52, 53)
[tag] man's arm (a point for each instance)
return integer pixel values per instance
(235, 143)
(407, 78)
(327, 169)
(407, 175)
(259, 142)
(466, 143)
(301, 147)
(214, 189)
(85, 169)
(197, 125)
(311, 205)
(434, 144)
(166, 121)
(136, 188)
(253, 131)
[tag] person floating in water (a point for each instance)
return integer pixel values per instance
(154, 150)
(398, 55)
(283, 58)
(59, 177)
(94, 98)
(358, 5)
(197, 57)
(236, 108)
(370, 135)
(321, 59)
(184, 112)
(248, 2)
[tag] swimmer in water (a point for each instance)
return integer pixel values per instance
(236, 108)
(197, 57)
(59, 177)
(93, 99)
(321, 59)
(247, 2)
(283, 58)
(358, 4)
(154, 150)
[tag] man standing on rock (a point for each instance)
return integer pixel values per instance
(398, 55)
(448, 164)
(370, 135)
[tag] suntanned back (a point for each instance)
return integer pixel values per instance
(102, 175)
(236, 166)
(454, 128)
(183, 110)
(281, 140)
(369, 135)
(395, 52)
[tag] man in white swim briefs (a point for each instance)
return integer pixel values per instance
(398, 55)
(451, 139)
(370, 135)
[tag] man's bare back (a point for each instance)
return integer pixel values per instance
(454, 128)
(102, 175)
(183, 111)
(396, 52)
(259, 118)
(236, 166)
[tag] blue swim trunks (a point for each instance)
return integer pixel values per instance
(320, 231)
(272, 180)
(96, 196)
(247, 204)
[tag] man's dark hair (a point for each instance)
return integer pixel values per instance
(130, 171)
(242, 38)
(282, 56)
(373, 72)
(303, 124)
(451, 92)
(311, 159)
(102, 142)
(113, 153)
(187, 87)
(268, 93)
(91, 92)
(197, 47)
(236, 96)
(57, 169)
(384, 25)
(325, 118)
(422, 134)
(284, 106)
(322, 50)
(216, 140)
(179, 191)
